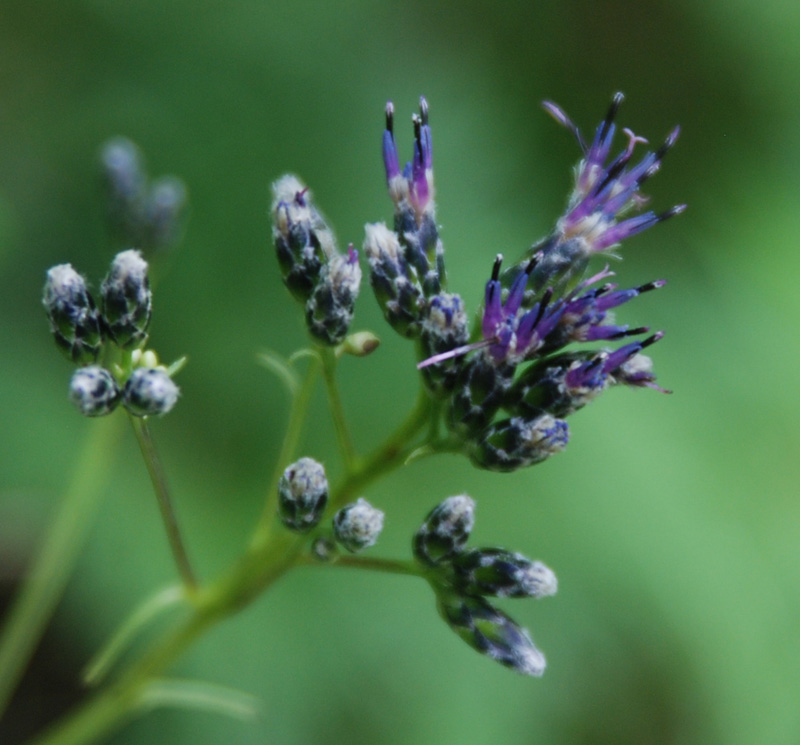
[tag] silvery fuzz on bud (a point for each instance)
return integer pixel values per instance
(73, 317)
(329, 310)
(491, 632)
(127, 300)
(518, 442)
(149, 391)
(445, 327)
(125, 183)
(502, 574)
(445, 531)
(94, 391)
(164, 213)
(303, 241)
(302, 495)
(358, 525)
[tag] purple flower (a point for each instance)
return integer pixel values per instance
(606, 191)
(414, 185)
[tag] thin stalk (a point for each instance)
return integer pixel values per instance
(329, 361)
(297, 417)
(159, 481)
(270, 556)
(51, 568)
(97, 668)
(375, 564)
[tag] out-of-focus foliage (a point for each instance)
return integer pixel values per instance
(672, 522)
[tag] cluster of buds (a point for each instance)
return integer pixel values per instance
(316, 273)
(463, 579)
(81, 330)
(303, 497)
(507, 383)
(140, 212)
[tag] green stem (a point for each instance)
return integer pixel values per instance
(99, 665)
(159, 481)
(329, 361)
(297, 416)
(270, 556)
(44, 584)
(375, 564)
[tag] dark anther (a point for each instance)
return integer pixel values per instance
(496, 268)
(423, 110)
(390, 117)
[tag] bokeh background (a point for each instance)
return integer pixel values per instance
(673, 522)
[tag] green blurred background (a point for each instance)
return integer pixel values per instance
(673, 522)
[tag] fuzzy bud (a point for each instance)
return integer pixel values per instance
(127, 300)
(480, 390)
(302, 495)
(502, 574)
(74, 319)
(329, 310)
(517, 443)
(303, 241)
(445, 531)
(149, 391)
(94, 391)
(165, 213)
(395, 282)
(445, 327)
(491, 632)
(358, 525)
(125, 184)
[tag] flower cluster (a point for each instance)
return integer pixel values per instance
(503, 384)
(462, 579)
(147, 216)
(507, 383)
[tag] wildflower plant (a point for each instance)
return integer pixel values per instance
(498, 379)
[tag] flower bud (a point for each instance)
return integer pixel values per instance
(127, 300)
(479, 391)
(444, 328)
(303, 241)
(491, 632)
(360, 344)
(329, 310)
(73, 316)
(395, 282)
(358, 525)
(302, 495)
(502, 574)
(149, 391)
(125, 184)
(445, 531)
(94, 391)
(165, 213)
(517, 443)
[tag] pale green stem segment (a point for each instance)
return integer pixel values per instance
(270, 556)
(161, 488)
(329, 362)
(297, 416)
(52, 566)
(97, 668)
(200, 695)
(375, 564)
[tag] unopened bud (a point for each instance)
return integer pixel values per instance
(125, 183)
(94, 391)
(74, 319)
(165, 212)
(360, 344)
(445, 531)
(517, 443)
(302, 495)
(303, 241)
(149, 391)
(329, 310)
(127, 300)
(502, 574)
(491, 632)
(358, 525)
